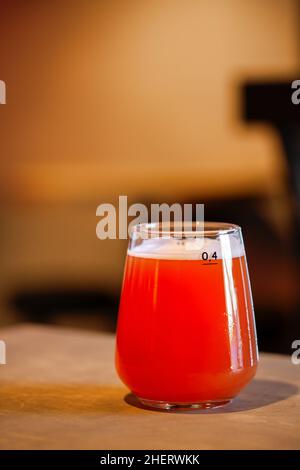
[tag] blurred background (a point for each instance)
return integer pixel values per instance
(163, 101)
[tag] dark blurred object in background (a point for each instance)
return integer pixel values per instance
(271, 102)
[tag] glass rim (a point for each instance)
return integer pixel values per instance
(199, 228)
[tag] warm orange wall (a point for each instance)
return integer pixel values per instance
(134, 97)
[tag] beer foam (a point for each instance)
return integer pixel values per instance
(198, 248)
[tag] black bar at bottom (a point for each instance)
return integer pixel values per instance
(140, 458)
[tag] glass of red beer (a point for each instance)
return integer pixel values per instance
(186, 333)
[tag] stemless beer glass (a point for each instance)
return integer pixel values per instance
(186, 331)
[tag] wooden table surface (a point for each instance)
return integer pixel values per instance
(59, 390)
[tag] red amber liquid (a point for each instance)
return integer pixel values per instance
(186, 331)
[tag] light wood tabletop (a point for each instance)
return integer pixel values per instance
(59, 390)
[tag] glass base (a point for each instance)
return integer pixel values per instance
(166, 405)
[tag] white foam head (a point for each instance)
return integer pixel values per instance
(225, 246)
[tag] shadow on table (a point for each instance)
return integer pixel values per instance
(258, 394)
(90, 398)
